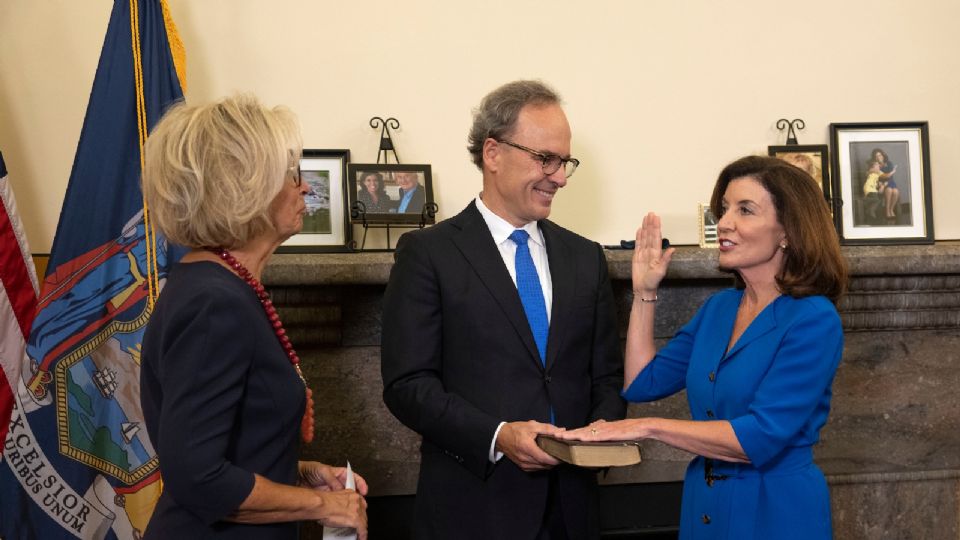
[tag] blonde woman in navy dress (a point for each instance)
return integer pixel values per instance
(223, 396)
(757, 360)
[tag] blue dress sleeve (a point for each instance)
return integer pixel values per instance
(206, 358)
(666, 374)
(792, 400)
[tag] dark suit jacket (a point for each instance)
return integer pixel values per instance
(458, 357)
(417, 201)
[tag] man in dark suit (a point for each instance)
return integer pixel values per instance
(412, 195)
(490, 338)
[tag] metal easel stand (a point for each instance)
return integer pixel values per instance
(834, 201)
(791, 134)
(358, 215)
(358, 210)
(386, 140)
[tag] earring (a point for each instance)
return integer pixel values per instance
(783, 246)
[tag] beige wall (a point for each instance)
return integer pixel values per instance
(660, 94)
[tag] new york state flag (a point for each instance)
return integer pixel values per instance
(77, 462)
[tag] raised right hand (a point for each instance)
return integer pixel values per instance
(650, 261)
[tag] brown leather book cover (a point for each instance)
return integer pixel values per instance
(591, 454)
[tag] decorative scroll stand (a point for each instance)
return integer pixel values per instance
(358, 210)
(386, 142)
(834, 201)
(788, 124)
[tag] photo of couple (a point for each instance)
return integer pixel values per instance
(390, 191)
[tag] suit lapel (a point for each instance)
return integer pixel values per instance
(562, 272)
(476, 245)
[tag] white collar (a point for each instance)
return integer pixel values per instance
(501, 229)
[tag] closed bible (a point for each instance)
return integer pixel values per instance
(591, 454)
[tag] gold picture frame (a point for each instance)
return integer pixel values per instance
(708, 227)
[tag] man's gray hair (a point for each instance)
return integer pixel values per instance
(497, 114)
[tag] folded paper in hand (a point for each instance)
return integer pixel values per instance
(342, 533)
(591, 454)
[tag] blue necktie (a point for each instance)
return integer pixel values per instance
(531, 294)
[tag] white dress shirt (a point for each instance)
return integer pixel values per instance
(501, 230)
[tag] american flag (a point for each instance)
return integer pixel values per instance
(18, 297)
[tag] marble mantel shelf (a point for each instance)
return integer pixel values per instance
(889, 449)
(689, 262)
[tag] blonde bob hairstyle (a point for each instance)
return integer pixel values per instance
(211, 171)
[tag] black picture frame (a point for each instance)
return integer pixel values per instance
(882, 186)
(326, 227)
(814, 159)
(363, 209)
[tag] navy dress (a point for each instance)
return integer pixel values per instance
(887, 168)
(221, 402)
(773, 386)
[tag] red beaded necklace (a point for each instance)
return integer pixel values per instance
(306, 424)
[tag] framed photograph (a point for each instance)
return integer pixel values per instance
(812, 158)
(882, 183)
(390, 193)
(325, 224)
(708, 227)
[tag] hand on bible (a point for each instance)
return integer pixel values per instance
(630, 429)
(518, 441)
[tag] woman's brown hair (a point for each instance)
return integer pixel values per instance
(813, 264)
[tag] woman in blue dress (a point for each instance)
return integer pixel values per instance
(887, 185)
(757, 360)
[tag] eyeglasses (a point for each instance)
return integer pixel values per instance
(551, 163)
(297, 178)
